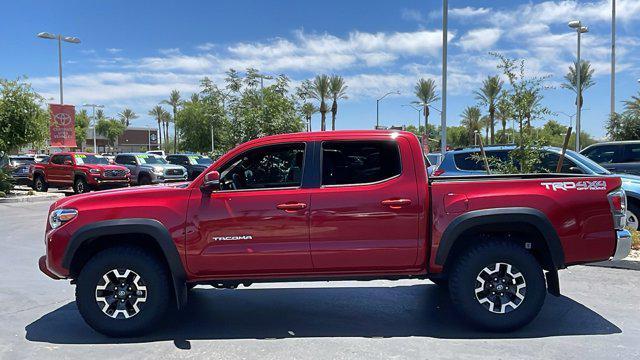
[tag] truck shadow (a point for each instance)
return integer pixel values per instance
(371, 312)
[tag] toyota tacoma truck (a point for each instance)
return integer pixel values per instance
(338, 205)
(81, 171)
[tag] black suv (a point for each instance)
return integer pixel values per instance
(616, 156)
(195, 164)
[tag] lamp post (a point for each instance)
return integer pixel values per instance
(613, 58)
(378, 106)
(93, 116)
(61, 38)
(576, 24)
(443, 113)
(419, 110)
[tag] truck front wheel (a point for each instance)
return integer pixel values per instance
(497, 285)
(123, 291)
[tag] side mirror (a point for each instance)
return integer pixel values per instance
(211, 182)
(575, 170)
(68, 162)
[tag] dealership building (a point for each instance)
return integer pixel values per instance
(134, 139)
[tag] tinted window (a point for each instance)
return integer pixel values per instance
(603, 154)
(264, 168)
(359, 162)
(15, 161)
(467, 160)
(126, 160)
(549, 164)
(56, 159)
(632, 153)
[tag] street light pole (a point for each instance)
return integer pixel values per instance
(419, 110)
(378, 106)
(443, 113)
(93, 116)
(60, 38)
(576, 24)
(613, 58)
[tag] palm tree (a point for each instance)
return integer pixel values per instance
(425, 91)
(126, 116)
(100, 114)
(308, 109)
(488, 95)
(471, 119)
(532, 99)
(503, 113)
(173, 101)
(633, 105)
(338, 89)
(486, 122)
(158, 113)
(320, 92)
(571, 79)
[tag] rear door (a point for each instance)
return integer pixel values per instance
(365, 215)
(53, 169)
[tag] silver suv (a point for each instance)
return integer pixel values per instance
(150, 169)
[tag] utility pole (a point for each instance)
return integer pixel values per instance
(613, 57)
(443, 113)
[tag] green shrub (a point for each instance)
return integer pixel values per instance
(6, 182)
(2, 194)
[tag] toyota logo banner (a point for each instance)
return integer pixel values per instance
(62, 127)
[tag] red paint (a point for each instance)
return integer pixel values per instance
(392, 227)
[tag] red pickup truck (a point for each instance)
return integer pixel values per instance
(332, 206)
(82, 171)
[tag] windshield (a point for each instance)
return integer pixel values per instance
(199, 160)
(592, 165)
(82, 159)
(22, 161)
(150, 159)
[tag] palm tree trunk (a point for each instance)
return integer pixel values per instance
(504, 131)
(492, 114)
(175, 132)
(159, 134)
(426, 121)
(334, 111)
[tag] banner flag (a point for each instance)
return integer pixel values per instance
(62, 127)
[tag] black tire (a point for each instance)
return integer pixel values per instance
(154, 276)
(442, 282)
(470, 266)
(39, 184)
(144, 180)
(633, 217)
(80, 186)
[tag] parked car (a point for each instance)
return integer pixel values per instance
(81, 171)
(41, 157)
(332, 205)
(195, 164)
(109, 157)
(616, 156)
(157, 152)
(18, 168)
(461, 163)
(150, 169)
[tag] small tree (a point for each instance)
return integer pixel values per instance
(126, 116)
(81, 126)
(110, 129)
(586, 81)
(22, 117)
(489, 95)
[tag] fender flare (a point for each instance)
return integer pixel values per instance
(153, 228)
(496, 216)
(78, 173)
(40, 172)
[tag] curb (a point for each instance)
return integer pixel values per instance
(31, 198)
(618, 264)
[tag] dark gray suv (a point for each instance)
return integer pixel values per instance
(616, 156)
(150, 169)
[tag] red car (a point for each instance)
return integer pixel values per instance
(82, 171)
(332, 206)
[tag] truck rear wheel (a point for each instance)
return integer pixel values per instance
(497, 285)
(123, 291)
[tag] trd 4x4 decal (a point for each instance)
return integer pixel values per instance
(573, 185)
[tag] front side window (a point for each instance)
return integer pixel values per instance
(605, 154)
(359, 162)
(56, 159)
(549, 164)
(267, 167)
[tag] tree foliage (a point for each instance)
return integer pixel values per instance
(624, 126)
(489, 95)
(23, 119)
(110, 129)
(82, 124)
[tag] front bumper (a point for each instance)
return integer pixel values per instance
(42, 264)
(164, 178)
(623, 245)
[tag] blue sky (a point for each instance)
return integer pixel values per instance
(133, 53)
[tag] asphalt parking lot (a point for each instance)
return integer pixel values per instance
(597, 317)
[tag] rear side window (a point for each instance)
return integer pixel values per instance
(467, 161)
(632, 153)
(359, 162)
(605, 154)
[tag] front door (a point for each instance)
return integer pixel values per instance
(258, 222)
(365, 215)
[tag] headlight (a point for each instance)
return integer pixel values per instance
(61, 216)
(94, 171)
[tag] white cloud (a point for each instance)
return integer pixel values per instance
(468, 11)
(411, 15)
(206, 46)
(480, 39)
(113, 50)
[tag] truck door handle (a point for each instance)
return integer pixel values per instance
(291, 206)
(396, 203)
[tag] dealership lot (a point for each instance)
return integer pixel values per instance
(598, 316)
